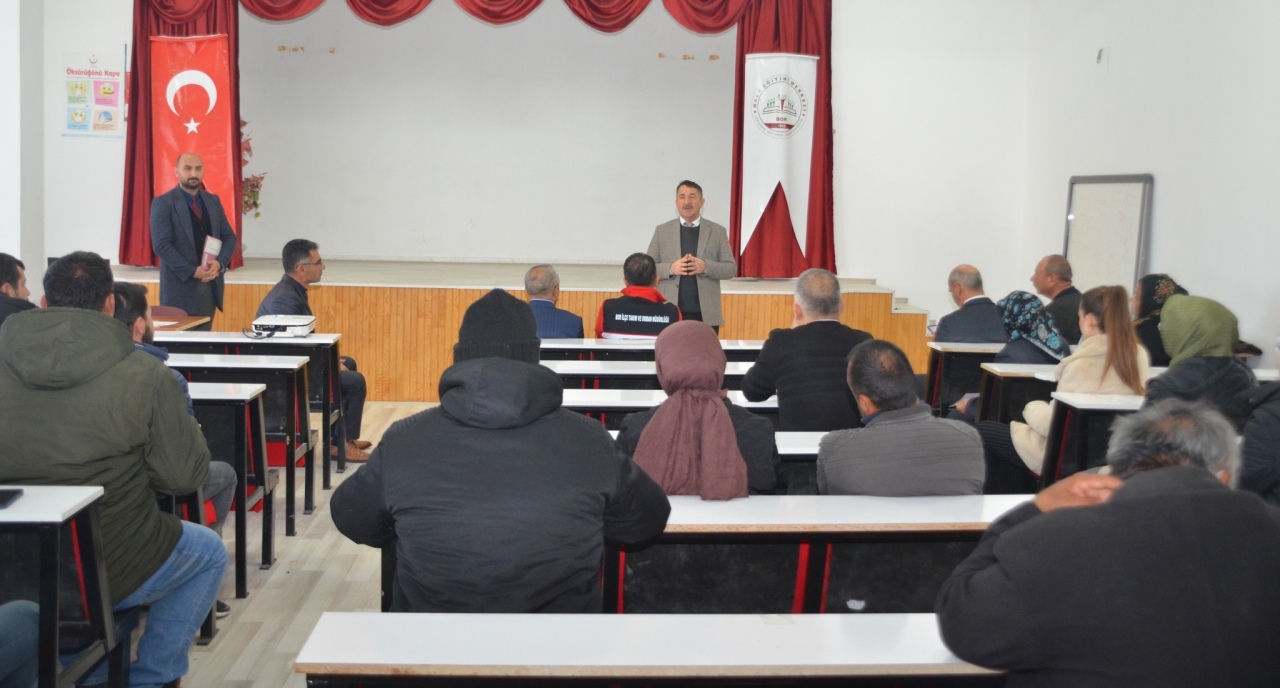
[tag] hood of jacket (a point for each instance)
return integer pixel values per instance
(499, 393)
(62, 348)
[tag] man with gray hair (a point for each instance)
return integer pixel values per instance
(978, 320)
(1157, 575)
(542, 284)
(805, 365)
(1052, 279)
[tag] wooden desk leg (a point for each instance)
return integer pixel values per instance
(50, 550)
(242, 497)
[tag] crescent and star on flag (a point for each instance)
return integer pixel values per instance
(191, 77)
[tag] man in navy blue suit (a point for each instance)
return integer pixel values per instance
(543, 286)
(181, 220)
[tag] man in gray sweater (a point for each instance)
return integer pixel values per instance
(901, 450)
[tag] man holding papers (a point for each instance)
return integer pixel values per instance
(191, 234)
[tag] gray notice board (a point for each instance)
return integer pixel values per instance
(1108, 228)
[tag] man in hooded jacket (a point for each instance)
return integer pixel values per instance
(80, 406)
(498, 500)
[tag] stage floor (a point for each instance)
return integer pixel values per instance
(510, 276)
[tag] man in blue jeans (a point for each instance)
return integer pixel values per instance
(79, 405)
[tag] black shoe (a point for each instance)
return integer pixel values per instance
(221, 609)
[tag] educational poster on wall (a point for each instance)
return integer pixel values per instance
(93, 94)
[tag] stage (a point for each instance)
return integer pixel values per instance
(400, 319)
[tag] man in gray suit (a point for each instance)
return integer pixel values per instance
(978, 320)
(901, 450)
(181, 219)
(693, 255)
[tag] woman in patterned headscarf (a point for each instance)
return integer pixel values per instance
(1149, 295)
(1033, 338)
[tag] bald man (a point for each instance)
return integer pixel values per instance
(181, 220)
(978, 319)
(1052, 279)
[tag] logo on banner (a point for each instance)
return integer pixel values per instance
(779, 106)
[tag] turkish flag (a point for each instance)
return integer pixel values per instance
(191, 113)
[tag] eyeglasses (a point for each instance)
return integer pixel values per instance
(318, 262)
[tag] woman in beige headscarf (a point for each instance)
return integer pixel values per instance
(697, 441)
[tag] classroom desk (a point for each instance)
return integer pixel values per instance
(44, 511)
(288, 417)
(173, 323)
(954, 370)
(800, 553)
(643, 648)
(634, 349)
(1263, 375)
(612, 405)
(1079, 430)
(325, 388)
(798, 452)
(628, 374)
(241, 404)
(1006, 388)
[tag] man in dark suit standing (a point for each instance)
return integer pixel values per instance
(1156, 575)
(181, 220)
(978, 320)
(542, 284)
(805, 365)
(693, 256)
(1052, 279)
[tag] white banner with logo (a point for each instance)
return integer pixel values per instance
(777, 137)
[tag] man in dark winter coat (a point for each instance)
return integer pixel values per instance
(1260, 448)
(498, 500)
(1157, 575)
(13, 287)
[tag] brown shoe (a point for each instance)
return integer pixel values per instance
(354, 455)
(333, 451)
(361, 444)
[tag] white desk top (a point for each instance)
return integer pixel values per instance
(789, 443)
(966, 347)
(605, 399)
(1100, 402)
(234, 362)
(838, 514)
(48, 503)
(224, 391)
(638, 344)
(630, 368)
(1018, 370)
(239, 338)
(627, 645)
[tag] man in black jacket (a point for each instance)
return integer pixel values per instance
(1157, 575)
(13, 287)
(498, 500)
(304, 267)
(805, 365)
(1052, 279)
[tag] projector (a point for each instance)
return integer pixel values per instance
(284, 325)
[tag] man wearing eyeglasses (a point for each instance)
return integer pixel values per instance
(304, 267)
(183, 220)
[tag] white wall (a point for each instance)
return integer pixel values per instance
(445, 138)
(930, 120)
(83, 177)
(1187, 91)
(10, 132)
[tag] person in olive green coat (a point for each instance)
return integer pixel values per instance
(80, 406)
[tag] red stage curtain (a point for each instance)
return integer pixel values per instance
(387, 12)
(803, 28)
(498, 11)
(609, 16)
(280, 10)
(167, 18)
(706, 16)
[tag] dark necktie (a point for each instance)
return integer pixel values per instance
(195, 208)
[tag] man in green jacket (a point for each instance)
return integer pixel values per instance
(80, 406)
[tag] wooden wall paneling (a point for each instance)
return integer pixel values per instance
(403, 337)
